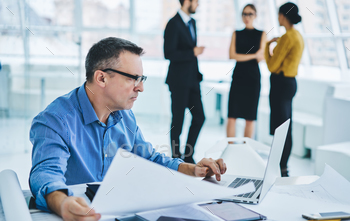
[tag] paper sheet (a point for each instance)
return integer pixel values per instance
(14, 205)
(133, 184)
(331, 187)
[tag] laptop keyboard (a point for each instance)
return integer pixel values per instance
(241, 181)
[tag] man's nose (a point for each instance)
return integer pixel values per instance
(139, 87)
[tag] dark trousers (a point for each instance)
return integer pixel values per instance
(282, 91)
(182, 98)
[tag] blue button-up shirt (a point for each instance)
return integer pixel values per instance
(71, 145)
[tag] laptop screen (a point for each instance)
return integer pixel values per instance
(272, 168)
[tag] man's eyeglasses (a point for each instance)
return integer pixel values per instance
(137, 79)
(250, 15)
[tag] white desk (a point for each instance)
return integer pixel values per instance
(274, 206)
(290, 208)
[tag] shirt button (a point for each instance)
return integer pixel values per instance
(105, 155)
(99, 123)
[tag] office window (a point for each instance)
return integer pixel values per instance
(223, 11)
(281, 2)
(315, 18)
(214, 26)
(49, 12)
(58, 46)
(170, 7)
(9, 14)
(148, 14)
(90, 38)
(153, 45)
(347, 50)
(106, 13)
(323, 52)
(320, 2)
(320, 15)
(215, 36)
(343, 11)
(263, 19)
(11, 42)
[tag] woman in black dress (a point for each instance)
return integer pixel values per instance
(247, 48)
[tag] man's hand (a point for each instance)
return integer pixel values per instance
(71, 208)
(204, 168)
(75, 208)
(198, 50)
(208, 167)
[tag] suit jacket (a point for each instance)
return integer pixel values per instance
(178, 48)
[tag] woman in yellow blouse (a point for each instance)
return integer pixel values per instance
(283, 64)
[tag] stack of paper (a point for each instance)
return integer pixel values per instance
(331, 187)
(134, 184)
(330, 193)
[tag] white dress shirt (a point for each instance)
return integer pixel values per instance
(186, 18)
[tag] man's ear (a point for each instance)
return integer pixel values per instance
(100, 78)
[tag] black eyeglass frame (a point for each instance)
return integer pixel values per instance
(248, 14)
(135, 77)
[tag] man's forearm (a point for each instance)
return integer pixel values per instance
(54, 201)
(187, 168)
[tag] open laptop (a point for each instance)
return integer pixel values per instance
(262, 186)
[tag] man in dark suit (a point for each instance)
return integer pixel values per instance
(180, 47)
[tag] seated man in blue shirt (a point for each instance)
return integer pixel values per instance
(76, 137)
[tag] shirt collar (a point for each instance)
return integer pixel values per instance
(113, 119)
(87, 110)
(185, 17)
(89, 113)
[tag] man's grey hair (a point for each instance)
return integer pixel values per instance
(102, 54)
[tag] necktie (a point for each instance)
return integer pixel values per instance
(191, 28)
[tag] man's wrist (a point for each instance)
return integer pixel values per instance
(54, 200)
(187, 168)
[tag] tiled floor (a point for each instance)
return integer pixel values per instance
(16, 132)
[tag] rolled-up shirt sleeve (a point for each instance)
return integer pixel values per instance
(146, 150)
(49, 157)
